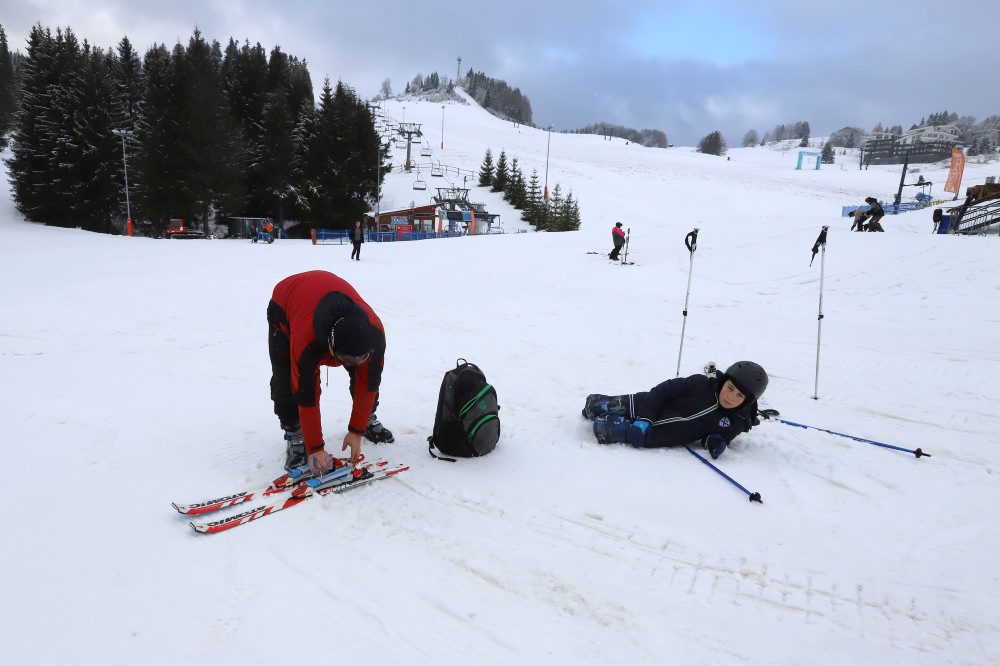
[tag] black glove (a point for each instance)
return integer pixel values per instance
(766, 413)
(716, 444)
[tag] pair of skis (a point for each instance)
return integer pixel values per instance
(292, 488)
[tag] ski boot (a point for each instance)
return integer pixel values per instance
(599, 405)
(378, 433)
(611, 429)
(295, 448)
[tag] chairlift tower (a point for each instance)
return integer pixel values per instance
(409, 130)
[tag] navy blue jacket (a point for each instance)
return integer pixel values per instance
(686, 410)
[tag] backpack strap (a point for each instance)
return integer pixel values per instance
(430, 450)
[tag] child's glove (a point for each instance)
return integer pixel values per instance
(716, 444)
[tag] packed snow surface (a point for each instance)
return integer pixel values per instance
(135, 373)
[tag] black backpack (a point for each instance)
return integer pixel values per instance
(466, 424)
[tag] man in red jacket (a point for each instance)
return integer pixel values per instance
(618, 238)
(317, 319)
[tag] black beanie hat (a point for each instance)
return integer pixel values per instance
(352, 336)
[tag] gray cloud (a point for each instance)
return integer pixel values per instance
(720, 65)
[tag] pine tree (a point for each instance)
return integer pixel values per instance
(827, 156)
(129, 82)
(95, 185)
(554, 208)
(45, 153)
(486, 170)
(532, 199)
(339, 158)
(8, 104)
(712, 144)
(64, 100)
(159, 172)
(502, 173)
(212, 147)
(29, 165)
(515, 190)
(750, 139)
(568, 214)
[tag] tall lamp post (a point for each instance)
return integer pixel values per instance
(547, 144)
(128, 205)
(442, 127)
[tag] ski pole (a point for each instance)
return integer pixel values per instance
(820, 243)
(754, 497)
(691, 242)
(915, 452)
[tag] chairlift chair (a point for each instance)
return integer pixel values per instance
(436, 170)
(419, 184)
(425, 152)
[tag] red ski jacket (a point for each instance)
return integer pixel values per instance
(312, 302)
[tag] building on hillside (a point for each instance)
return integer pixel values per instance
(417, 218)
(919, 145)
(451, 212)
(930, 134)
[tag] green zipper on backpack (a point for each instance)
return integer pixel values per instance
(480, 422)
(470, 404)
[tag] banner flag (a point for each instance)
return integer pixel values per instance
(954, 182)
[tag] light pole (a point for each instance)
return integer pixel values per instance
(442, 127)
(547, 144)
(128, 205)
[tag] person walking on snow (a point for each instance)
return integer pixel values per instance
(618, 238)
(701, 408)
(316, 319)
(357, 238)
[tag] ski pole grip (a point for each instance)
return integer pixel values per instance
(691, 240)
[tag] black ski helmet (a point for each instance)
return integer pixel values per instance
(749, 378)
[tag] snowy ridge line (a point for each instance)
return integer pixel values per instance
(375, 471)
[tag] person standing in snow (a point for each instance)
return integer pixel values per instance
(357, 238)
(877, 213)
(618, 238)
(316, 319)
(705, 408)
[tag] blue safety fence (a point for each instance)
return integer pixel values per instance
(894, 209)
(342, 236)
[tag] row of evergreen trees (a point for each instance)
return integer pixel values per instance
(555, 213)
(652, 138)
(207, 133)
(496, 96)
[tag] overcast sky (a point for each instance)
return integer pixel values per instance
(687, 68)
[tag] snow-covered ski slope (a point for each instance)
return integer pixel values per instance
(135, 373)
